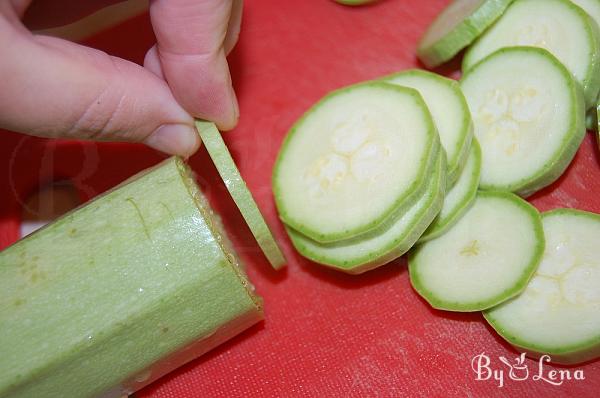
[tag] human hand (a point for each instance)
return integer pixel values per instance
(55, 88)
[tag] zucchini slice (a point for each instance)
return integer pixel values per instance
(211, 137)
(559, 312)
(529, 118)
(389, 241)
(457, 26)
(449, 110)
(356, 157)
(459, 198)
(558, 26)
(487, 257)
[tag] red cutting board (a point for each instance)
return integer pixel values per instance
(325, 333)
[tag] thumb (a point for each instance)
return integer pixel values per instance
(61, 89)
(192, 36)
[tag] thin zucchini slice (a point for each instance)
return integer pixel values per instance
(487, 257)
(559, 26)
(449, 110)
(559, 312)
(459, 198)
(529, 118)
(356, 157)
(391, 241)
(457, 26)
(211, 137)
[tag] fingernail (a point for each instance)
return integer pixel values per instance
(174, 139)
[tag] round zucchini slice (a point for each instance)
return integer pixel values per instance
(558, 314)
(356, 157)
(486, 258)
(529, 118)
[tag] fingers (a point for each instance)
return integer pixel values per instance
(190, 45)
(233, 29)
(60, 89)
(152, 63)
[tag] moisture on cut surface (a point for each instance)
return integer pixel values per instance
(364, 144)
(559, 311)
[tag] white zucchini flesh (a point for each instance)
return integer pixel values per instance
(529, 118)
(449, 110)
(558, 26)
(559, 312)
(391, 241)
(487, 257)
(357, 156)
(461, 22)
(458, 198)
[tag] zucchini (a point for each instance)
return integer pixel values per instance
(487, 257)
(558, 314)
(390, 241)
(211, 137)
(457, 26)
(120, 291)
(559, 26)
(529, 118)
(459, 198)
(369, 143)
(450, 113)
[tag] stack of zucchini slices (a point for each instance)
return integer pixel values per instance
(418, 160)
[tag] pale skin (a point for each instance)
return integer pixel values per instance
(55, 88)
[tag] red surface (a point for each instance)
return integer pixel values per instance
(325, 333)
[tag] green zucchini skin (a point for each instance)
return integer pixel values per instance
(463, 33)
(120, 291)
(219, 153)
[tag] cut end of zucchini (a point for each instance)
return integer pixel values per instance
(211, 137)
(142, 282)
(529, 118)
(368, 143)
(457, 26)
(559, 312)
(487, 257)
